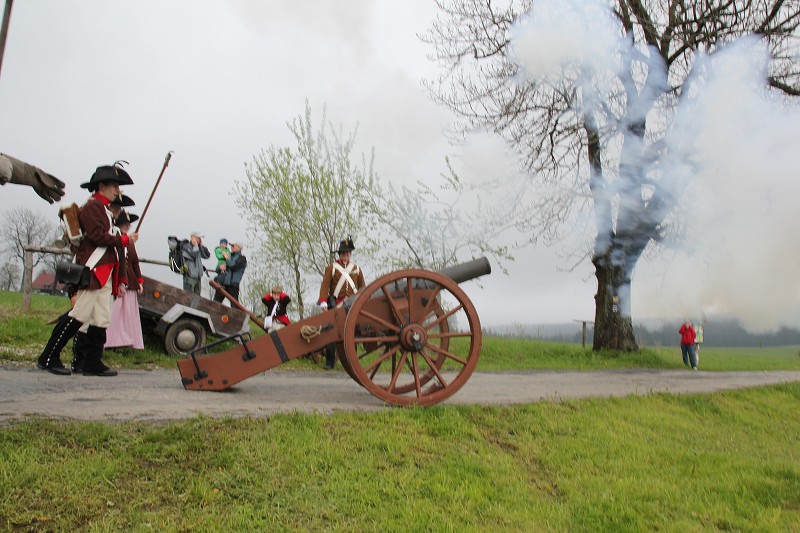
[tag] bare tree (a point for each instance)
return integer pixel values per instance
(22, 227)
(439, 227)
(10, 276)
(600, 152)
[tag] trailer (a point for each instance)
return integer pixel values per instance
(186, 320)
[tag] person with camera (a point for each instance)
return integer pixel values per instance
(194, 251)
(99, 252)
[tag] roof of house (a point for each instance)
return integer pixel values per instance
(44, 281)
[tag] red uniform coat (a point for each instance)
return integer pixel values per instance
(96, 226)
(133, 270)
(282, 303)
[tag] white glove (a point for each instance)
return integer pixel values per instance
(323, 306)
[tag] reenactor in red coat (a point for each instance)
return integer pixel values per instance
(100, 252)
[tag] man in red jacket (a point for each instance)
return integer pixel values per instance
(100, 251)
(688, 336)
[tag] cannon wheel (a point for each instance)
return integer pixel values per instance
(402, 355)
(438, 362)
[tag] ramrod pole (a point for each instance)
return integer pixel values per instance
(4, 29)
(163, 168)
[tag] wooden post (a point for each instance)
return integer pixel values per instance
(27, 278)
(583, 331)
(583, 335)
(27, 270)
(153, 261)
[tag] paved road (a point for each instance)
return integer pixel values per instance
(158, 394)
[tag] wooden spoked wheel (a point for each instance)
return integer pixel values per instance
(397, 338)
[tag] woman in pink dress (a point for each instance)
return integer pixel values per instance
(125, 328)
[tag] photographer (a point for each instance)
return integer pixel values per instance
(193, 254)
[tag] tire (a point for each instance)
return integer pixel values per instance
(184, 336)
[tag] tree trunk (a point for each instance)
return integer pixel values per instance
(613, 328)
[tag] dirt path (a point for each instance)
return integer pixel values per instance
(158, 395)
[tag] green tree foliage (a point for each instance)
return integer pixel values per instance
(300, 201)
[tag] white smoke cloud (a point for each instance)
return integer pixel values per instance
(732, 159)
(741, 258)
(560, 36)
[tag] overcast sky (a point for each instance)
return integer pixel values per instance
(88, 82)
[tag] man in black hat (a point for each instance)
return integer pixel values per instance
(100, 252)
(118, 202)
(80, 342)
(342, 278)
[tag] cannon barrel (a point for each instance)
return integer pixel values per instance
(459, 273)
(467, 271)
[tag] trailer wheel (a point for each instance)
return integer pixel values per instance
(184, 336)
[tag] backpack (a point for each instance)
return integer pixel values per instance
(73, 235)
(176, 263)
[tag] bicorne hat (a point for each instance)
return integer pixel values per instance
(124, 200)
(113, 172)
(346, 245)
(125, 218)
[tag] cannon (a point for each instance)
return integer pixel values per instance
(411, 337)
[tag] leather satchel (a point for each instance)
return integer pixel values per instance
(73, 275)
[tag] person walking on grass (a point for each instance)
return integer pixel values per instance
(688, 336)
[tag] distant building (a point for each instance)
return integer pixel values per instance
(45, 283)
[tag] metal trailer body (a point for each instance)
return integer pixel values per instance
(184, 319)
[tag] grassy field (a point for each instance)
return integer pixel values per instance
(717, 462)
(22, 337)
(714, 462)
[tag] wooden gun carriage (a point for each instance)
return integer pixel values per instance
(411, 337)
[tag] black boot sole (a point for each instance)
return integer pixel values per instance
(54, 370)
(105, 373)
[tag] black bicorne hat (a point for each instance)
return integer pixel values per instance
(123, 200)
(346, 245)
(113, 172)
(125, 218)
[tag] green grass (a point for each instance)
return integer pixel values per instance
(726, 461)
(22, 336)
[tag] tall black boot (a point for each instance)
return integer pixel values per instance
(93, 365)
(330, 356)
(79, 345)
(50, 359)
